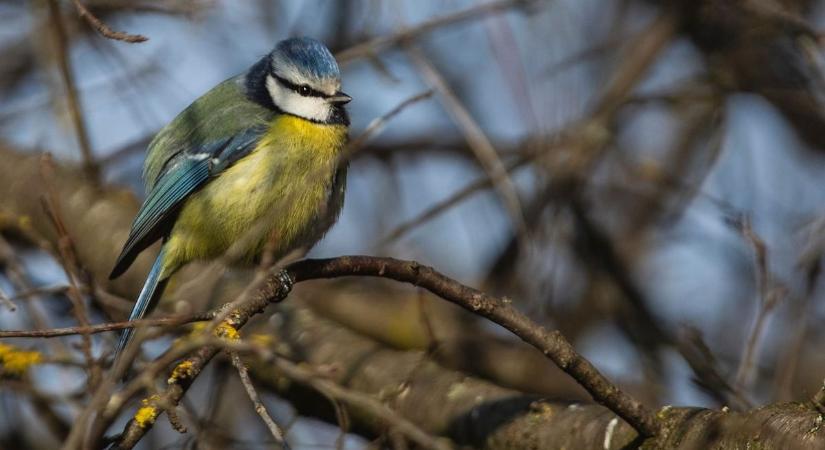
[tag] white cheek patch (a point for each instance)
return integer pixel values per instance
(312, 108)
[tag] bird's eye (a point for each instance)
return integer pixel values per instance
(304, 90)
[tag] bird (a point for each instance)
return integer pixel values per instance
(256, 162)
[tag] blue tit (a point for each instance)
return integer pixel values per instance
(254, 162)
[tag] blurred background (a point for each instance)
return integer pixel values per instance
(645, 176)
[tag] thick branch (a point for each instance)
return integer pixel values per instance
(481, 415)
(551, 343)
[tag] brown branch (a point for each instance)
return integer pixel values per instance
(585, 137)
(274, 289)
(274, 429)
(61, 39)
(476, 139)
(551, 343)
(104, 29)
(768, 293)
(363, 402)
(70, 263)
(6, 301)
(378, 123)
(819, 400)
(478, 414)
(105, 327)
(376, 45)
(445, 205)
(17, 274)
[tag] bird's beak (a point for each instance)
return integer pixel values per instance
(340, 98)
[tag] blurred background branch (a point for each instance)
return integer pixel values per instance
(642, 176)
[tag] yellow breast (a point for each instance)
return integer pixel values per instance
(279, 192)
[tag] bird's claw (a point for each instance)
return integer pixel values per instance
(286, 282)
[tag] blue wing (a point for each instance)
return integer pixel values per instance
(183, 175)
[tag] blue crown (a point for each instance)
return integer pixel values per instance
(311, 58)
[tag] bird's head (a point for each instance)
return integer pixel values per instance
(300, 77)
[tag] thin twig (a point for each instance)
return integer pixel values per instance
(5, 300)
(437, 209)
(362, 402)
(342, 417)
(818, 400)
(811, 261)
(274, 429)
(645, 50)
(376, 45)
(70, 263)
(378, 123)
(506, 52)
(105, 327)
(36, 292)
(274, 289)
(21, 281)
(61, 39)
(768, 299)
(478, 141)
(104, 29)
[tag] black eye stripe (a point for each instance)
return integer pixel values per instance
(303, 90)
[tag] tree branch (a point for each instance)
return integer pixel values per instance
(376, 45)
(104, 29)
(551, 343)
(481, 415)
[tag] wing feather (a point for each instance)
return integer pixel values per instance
(185, 174)
(164, 201)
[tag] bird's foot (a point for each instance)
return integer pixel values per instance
(285, 283)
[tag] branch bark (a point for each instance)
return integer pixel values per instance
(485, 416)
(551, 343)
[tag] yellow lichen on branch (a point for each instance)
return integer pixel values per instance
(16, 362)
(183, 370)
(148, 412)
(227, 331)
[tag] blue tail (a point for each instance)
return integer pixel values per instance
(152, 289)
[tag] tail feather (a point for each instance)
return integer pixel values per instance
(151, 292)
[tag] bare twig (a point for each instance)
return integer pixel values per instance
(645, 49)
(506, 52)
(377, 45)
(769, 296)
(551, 343)
(446, 204)
(276, 288)
(104, 29)
(273, 289)
(5, 300)
(361, 401)
(811, 261)
(476, 138)
(378, 123)
(19, 277)
(342, 417)
(819, 400)
(61, 39)
(104, 327)
(70, 264)
(35, 292)
(274, 429)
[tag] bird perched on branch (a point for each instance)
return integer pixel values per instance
(254, 163)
